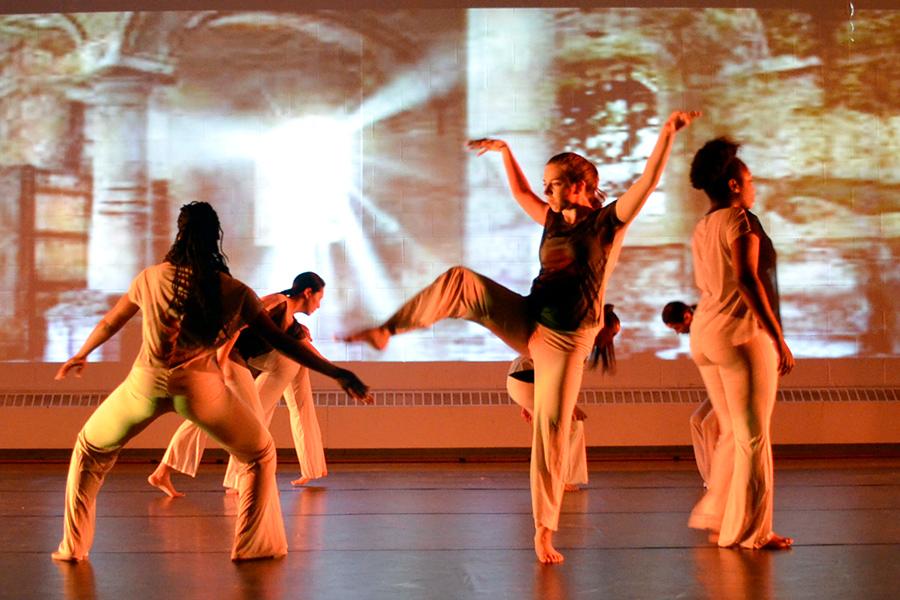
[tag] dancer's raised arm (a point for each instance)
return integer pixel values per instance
(107, 327)
(530, 202)
(630, 203)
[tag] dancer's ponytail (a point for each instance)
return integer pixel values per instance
(604, 350)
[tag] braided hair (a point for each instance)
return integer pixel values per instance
(198, 258)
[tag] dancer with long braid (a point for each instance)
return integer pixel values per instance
(190, 306)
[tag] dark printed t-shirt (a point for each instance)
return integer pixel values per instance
(566, 293)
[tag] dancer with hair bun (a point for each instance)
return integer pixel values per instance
(557, 323)
(738, 346)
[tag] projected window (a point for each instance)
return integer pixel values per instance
(333, 141)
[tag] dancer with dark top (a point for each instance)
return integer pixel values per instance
(278, 374)
(190, 305)
(739, 348)
(557, 323)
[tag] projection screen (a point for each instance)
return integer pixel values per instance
(334, 141)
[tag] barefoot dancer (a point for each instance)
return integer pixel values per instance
(739, 348)
(278, 374)
(190, 305)
(281, 375)
(558, 321)
(520, 386)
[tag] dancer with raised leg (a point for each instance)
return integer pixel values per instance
(739, 348)
(557, 323)
(190, 305)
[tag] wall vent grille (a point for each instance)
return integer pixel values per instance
(397, 398)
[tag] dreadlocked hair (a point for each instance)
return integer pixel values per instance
(198, 259)
(604, 351)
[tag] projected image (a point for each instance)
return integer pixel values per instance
(334, 141)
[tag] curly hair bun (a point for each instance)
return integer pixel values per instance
(712, 162)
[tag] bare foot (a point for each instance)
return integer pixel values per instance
(301, 481)
(572, 487)
(777, 542)
(543, 547)
(66, 557)
(578, 414)
(377, 337)
(161, 479)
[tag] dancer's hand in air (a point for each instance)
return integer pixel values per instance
(485, 145)
(681, 118)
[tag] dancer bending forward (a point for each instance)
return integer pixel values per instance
(739, 349)
(557, 323)
(703, 421)
(190, 306)
(278, 374)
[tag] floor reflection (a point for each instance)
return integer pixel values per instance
(734, 574)
(78, 580)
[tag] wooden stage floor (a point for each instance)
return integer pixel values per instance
(450, 530)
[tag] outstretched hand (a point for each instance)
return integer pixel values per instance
(485, 145)
(354, 387)
(77, 363)
(680, 119)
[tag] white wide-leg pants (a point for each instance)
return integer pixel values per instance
(522, 393)
(202, 397)
(741, 382)
(185, 449)
(704, 435)
(281, 375)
